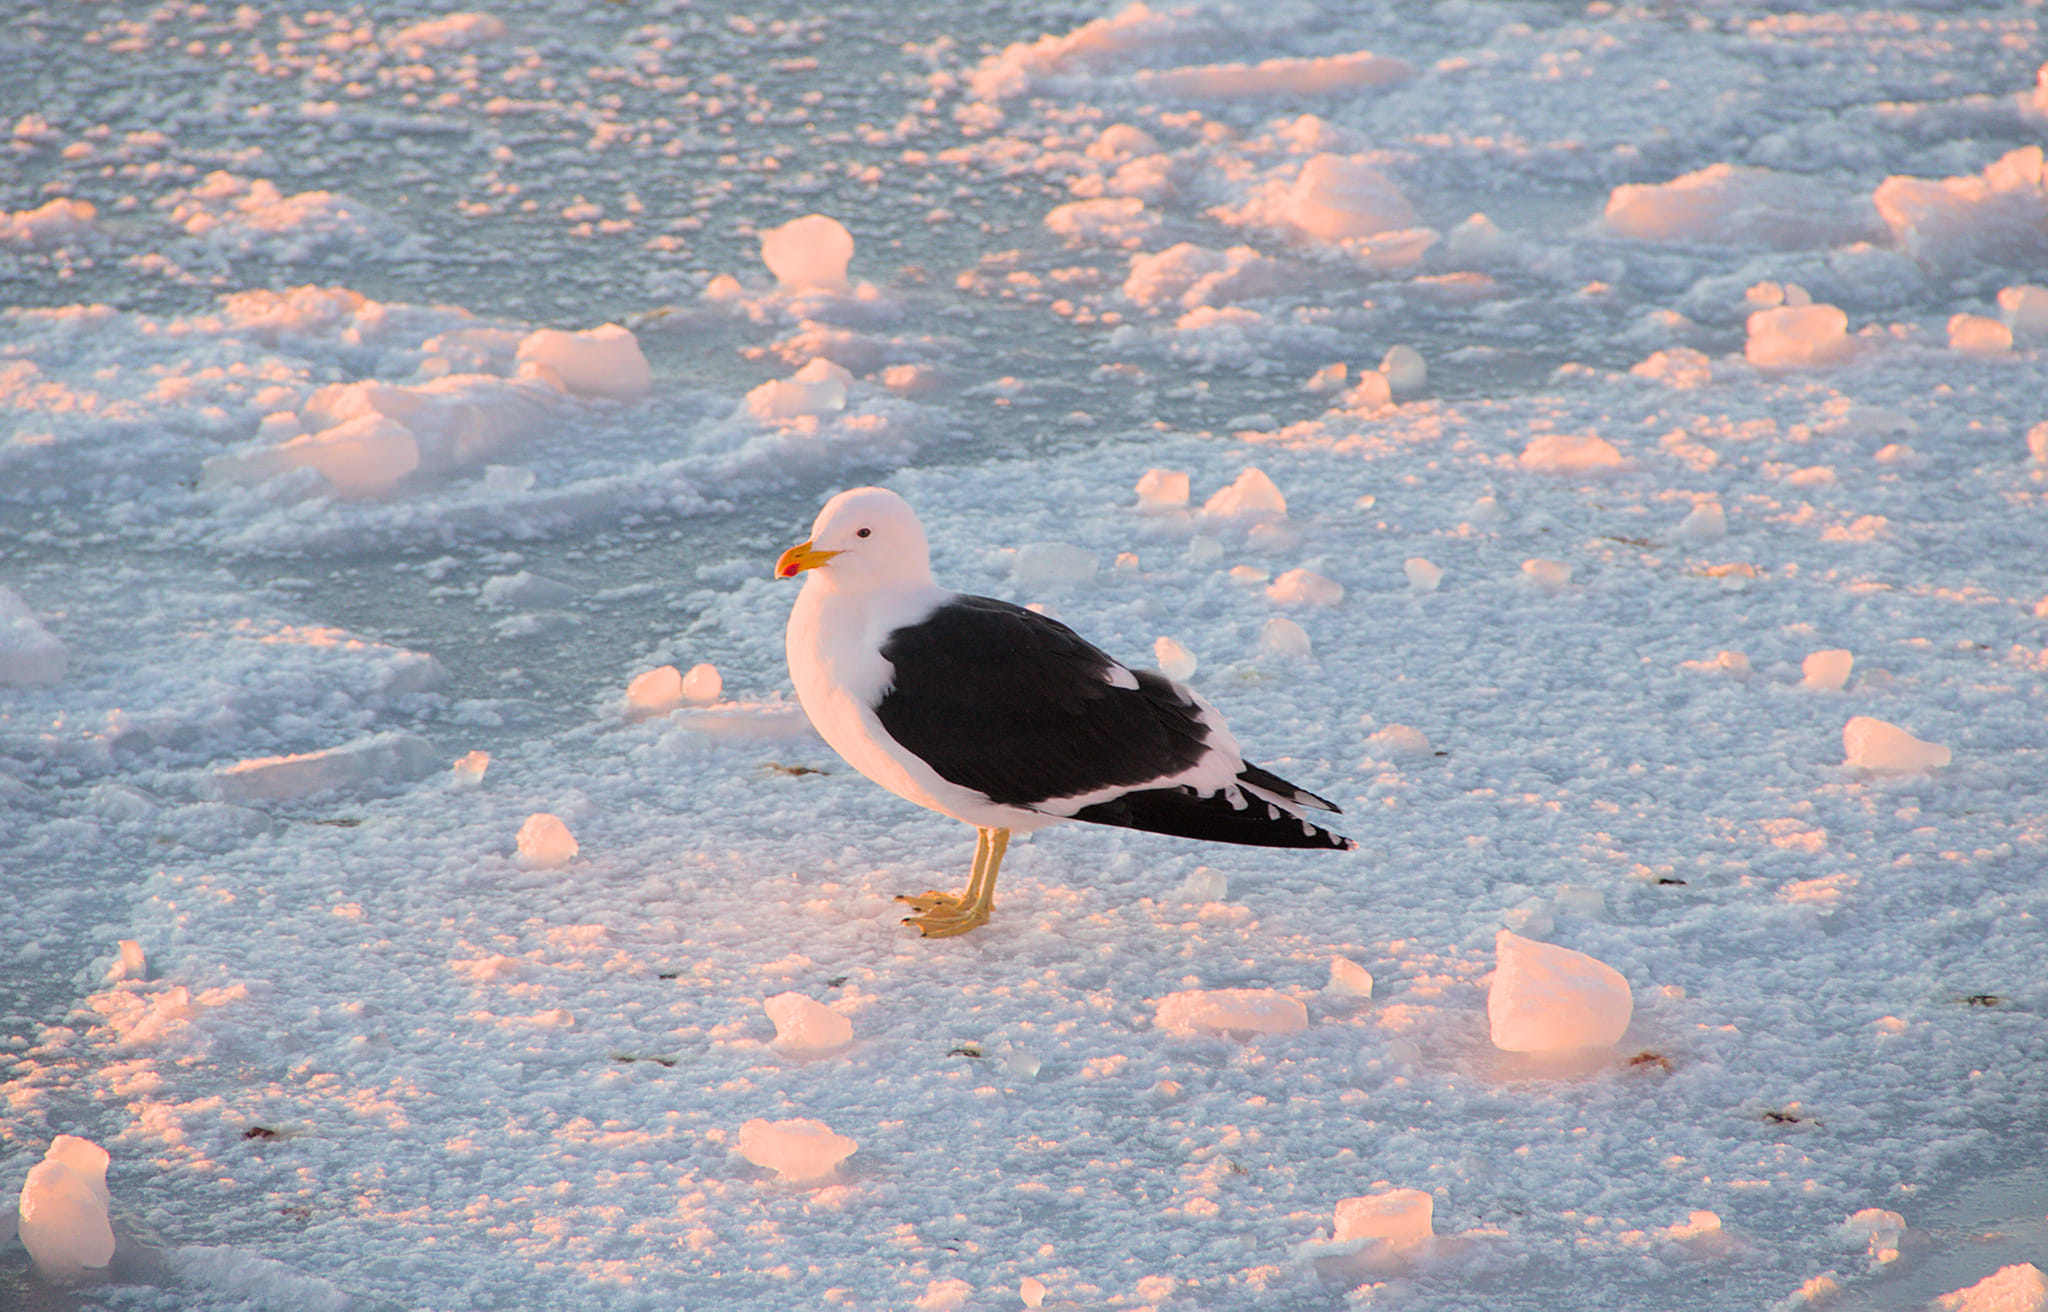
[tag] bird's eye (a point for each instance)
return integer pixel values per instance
(864, 532)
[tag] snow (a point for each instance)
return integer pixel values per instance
(320, 324)
(1548, 998)
(64, 1210)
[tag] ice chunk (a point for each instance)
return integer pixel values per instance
(130, 962)
(1162, 489)
(1737, 205)
(1175, 661)
(64, 1221)
(819, 388)
(702, 684)
(365, 456)
(29, 653)
(1798, 336)
(1301, 587)
(1231, 1011)
(1395, 741)
(659, 689)
(1372, 391)
(605, 361)
(1404, 370)
(1477, 240)
(1329, 378)
(1399, 1218)
(1546, 998)
(1348, 979)
(1999, 215)
(545, 842)
(1109, 220)
(2018, 1288)
(1874, 1229)
(1546, 575)
(469, 771)
(1423, 576)
(1205, 885)
(1883, 748)
(1338, 196)
(1977, 334)
(805, 1025)
(2024, 308)
(1032, 1291)
(1284, 638)
(1570, 453)
(1680, 366)
(1051, 565)
(458, 31)
(525, 588)
(2037, 443)
(797, 1150)
(1705, 522)
(1288, 76)
(808, 253)
(1827, 670)
(1252, 498)
(383, 758)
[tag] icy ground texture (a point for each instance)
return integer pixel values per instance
(391, 393)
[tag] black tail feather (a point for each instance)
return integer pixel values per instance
(1187, 814)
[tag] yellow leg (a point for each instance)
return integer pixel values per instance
(942, 915)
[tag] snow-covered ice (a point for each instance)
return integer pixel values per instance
(387, 391)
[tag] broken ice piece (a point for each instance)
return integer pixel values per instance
(469, 771)
(1162, 489)
(702, 684)
(1883, 748)
(1175, 661)
(1348, 979)
(805, 1025)
(797, 1150)
(2017, 1288)
(1399, 1218)
(1827, 670)
(64, 1221)
(1546, 998)
(545, 842)
(1204, 884)
(659, 689)
(1231, 1011)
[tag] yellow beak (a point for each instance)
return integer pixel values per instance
(799, 558)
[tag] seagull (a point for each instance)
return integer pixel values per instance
(1002, 717)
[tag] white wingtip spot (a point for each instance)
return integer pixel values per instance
(1119, 677)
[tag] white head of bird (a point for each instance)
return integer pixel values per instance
(869, 536)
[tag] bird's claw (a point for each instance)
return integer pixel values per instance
(942, 915)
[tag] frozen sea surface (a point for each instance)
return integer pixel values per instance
(387, 390)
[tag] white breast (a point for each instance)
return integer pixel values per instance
(834, 647)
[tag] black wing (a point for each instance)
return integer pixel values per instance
(1020, 708)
